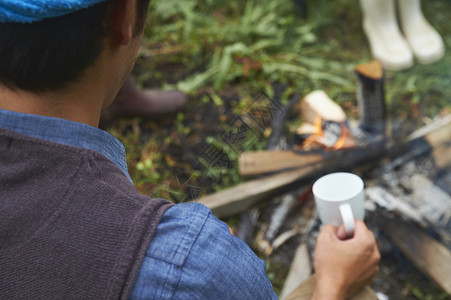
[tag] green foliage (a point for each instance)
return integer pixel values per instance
(273, 270)
(427, 86)
(238, 40)
(180, 126)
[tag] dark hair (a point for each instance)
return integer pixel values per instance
(46, 55)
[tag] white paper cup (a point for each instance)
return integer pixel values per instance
(339, 199)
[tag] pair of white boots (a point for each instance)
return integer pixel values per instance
(396, 50)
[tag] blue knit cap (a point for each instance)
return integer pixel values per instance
(28, 11)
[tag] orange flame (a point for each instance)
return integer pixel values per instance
(345, 139)
(317, 135)
(341, 141)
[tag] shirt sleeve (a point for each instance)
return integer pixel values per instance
(193, 256)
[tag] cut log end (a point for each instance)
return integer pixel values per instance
(371, 70)
(318, 104)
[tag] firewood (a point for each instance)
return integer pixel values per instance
(434, 136)
(433, 202)
(361, 291)
(300, 270)
(239, 198)
(442, 156)
(386, 200)
(243, 196)
(371, 70)
(437, 133)
(318, 104)
(279, 215)
(284, 237)
(246, 225)
(371, 97)
(429, 256)
(305, 129)
(259, 162)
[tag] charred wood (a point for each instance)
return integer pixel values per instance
(371, 97)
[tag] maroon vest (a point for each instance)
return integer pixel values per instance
(72, 226)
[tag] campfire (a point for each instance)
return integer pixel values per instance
(407, 197)
(325, 124)
(332, 136)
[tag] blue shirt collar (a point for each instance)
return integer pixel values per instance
(68, 133)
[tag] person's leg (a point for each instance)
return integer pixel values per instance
(386, 41)
(425, 42)
(305, 292)
(131, 101)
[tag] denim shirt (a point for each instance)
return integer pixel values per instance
(192, 254)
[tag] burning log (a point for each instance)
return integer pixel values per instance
(328, 135)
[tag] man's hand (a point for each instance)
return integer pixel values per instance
(341, 265)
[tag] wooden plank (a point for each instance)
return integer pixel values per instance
(305, 291)
(426, 254)
(243, 196)
(442, 156)
(300, 270)
(260, 162)
(318, 104)
(436, 134)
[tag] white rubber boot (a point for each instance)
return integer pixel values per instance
(425, 42)
(386, 41)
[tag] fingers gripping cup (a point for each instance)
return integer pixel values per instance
(339, 200)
